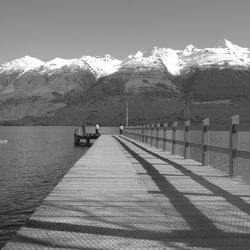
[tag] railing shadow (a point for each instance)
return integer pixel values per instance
(190, 213)
(234, 200)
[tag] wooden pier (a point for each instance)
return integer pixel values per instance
(125, 194)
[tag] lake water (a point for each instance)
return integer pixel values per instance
(32, 162)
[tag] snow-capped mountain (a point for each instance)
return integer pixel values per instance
(226, 55)
(101, 66)
(30, 87)
(175, 62)
(21, 64)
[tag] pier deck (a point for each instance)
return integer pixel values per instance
(124, 194)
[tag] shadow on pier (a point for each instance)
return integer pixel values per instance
(149, 211)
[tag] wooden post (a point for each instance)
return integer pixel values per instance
(158, 125)
(186, 137)
(141, 133)
(147, 134)
(137, 133)
(165, 126)
(205, 139)
(151, 134)
(233, 141)
(174, 136)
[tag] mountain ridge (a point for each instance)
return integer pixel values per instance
(33, 91)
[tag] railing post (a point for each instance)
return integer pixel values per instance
(141, 129)
(165, 126)
(151, 135)
(147, 134)
(186, 137)
(205, 139)
(233, 141)
(139, 132)
(173, 136)
(158, 125)
(142, 133)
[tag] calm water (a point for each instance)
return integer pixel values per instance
(32, 162)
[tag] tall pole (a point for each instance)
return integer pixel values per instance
(126, 107)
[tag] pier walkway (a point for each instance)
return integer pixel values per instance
(123, 194)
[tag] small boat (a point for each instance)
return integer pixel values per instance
(3, 141)
(81, 138)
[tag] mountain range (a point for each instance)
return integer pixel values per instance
(161, 85)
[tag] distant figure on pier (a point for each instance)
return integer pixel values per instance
(84, 128)
(97, 128)
(121, 129)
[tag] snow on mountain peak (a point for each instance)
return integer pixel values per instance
(59, 62)
(101, 66)
(175, 61)
(189, 50)
(138, 55)
(169, 57)
(235, 49)
(23, 63)
(108, 58)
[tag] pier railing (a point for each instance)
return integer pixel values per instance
(182, 136)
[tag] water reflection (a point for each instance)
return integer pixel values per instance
(31, 163)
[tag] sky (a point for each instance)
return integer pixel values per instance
(46, 29)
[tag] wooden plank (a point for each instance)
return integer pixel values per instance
(218, 149)
(125, 194)
(242, 153)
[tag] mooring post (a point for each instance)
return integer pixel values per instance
(233, 141)
(205, 139)
(186, 137)
(165, 127)
(175, 124)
